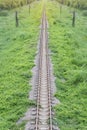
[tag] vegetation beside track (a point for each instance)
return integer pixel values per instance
(69, 55)
(17, 53)
(9, 4)
(80, 4)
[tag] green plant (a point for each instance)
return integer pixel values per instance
(17, 53)
(69, 52)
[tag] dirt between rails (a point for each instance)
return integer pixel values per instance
(27, 115)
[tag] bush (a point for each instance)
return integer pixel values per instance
(9, 4)
(81, 4)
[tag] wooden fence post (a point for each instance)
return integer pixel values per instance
(29, 7)
(60, 10)
(16, 19)
(74, 18)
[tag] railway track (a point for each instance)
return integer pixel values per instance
(44, 112)
(41, 118)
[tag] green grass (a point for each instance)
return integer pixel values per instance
(17, 53)
(69, 57)
(10, 4)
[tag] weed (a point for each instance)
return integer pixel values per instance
(17, 53)
(69, 57)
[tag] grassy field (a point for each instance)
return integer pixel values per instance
(17, 53)
(69, 56)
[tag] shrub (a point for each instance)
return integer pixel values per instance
(81, 4)
(9, 4)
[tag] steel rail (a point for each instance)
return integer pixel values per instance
(44, 122)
